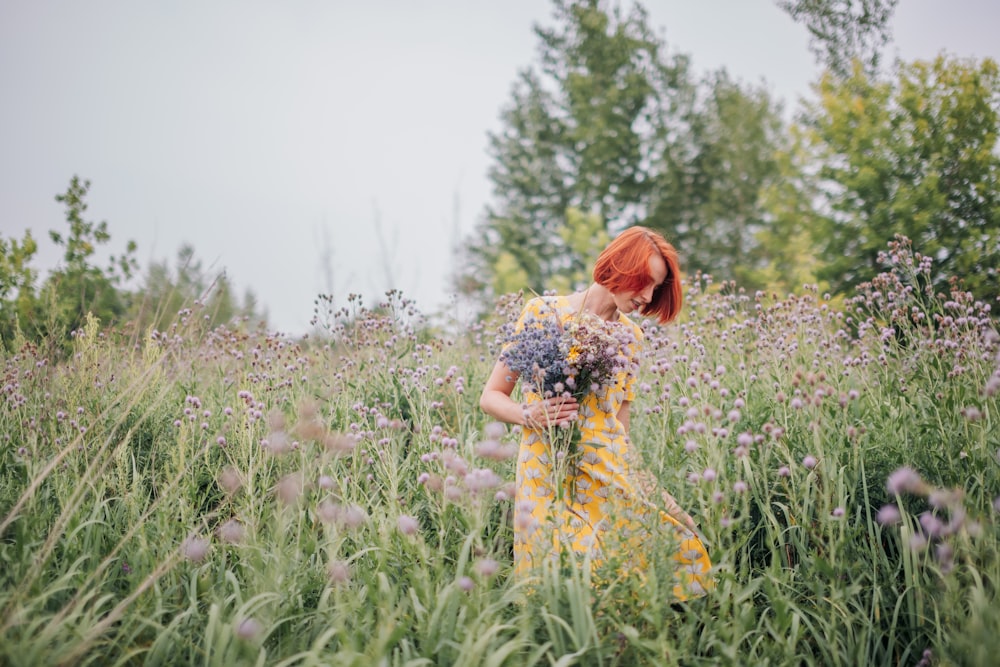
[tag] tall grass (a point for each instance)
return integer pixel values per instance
(222, 496)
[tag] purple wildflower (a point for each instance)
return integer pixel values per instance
(904, 480)
(407, 524)
(248, 628)
(888, 515)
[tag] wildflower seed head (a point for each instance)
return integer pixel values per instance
(248, 628)
(918, 542)
(932, 525)
(276, 420)
(232, 532)
(289, 488)
(327, 511)
(888, 515)
(339, 572)
(496, 450)
(809, 462)
(904, 480)
(487, 567)
(230, 480)
(352, 516)
(195, 548)
(407, 524)
(482, 479)
(277, 443)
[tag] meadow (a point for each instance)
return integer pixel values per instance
(233, 497)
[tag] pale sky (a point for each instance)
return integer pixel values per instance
(254, 129)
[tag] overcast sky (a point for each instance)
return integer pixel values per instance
(276, 137)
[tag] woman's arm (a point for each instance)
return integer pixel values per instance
(496, 402)
(623, 414)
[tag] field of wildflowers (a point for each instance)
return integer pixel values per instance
(225, 497)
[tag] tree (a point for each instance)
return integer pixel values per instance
(77, 286)
(165, 293)
(844, 31)
(611, 129)
(585, 131)
(708, 194)
(915, 157)
(785, 242)
(18, 302)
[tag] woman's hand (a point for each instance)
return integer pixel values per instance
(550, 412)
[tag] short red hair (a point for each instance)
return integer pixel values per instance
(624, 267)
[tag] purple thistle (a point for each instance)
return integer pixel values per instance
(888, 515)
(903, 480)
(932, 525)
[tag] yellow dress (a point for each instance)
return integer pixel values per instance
(605, 510)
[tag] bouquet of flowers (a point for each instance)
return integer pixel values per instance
(583, 356)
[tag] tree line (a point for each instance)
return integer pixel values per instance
(50, 310)
(609, 129)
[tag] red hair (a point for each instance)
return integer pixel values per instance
(624, 267)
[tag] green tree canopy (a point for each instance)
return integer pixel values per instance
(17, 285)
(78, 286)
(166, 292)
(609, 125)
(917, 157)
(708, 195)
(844, 31)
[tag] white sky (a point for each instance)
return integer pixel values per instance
(251, 128)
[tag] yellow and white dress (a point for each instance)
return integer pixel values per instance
(605, 510)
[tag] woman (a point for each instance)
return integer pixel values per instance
(637, 272)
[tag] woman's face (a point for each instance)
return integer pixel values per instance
(628, 302)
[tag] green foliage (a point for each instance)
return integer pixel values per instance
(844, 31)
(785, 242)
(708, 199)
(78, 287)
(585, 236)
(223, 496)
(17, 285)
(166, 293)
(585, 130)
(608, 125)
(915, 157)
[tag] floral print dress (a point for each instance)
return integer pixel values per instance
(601, 509)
